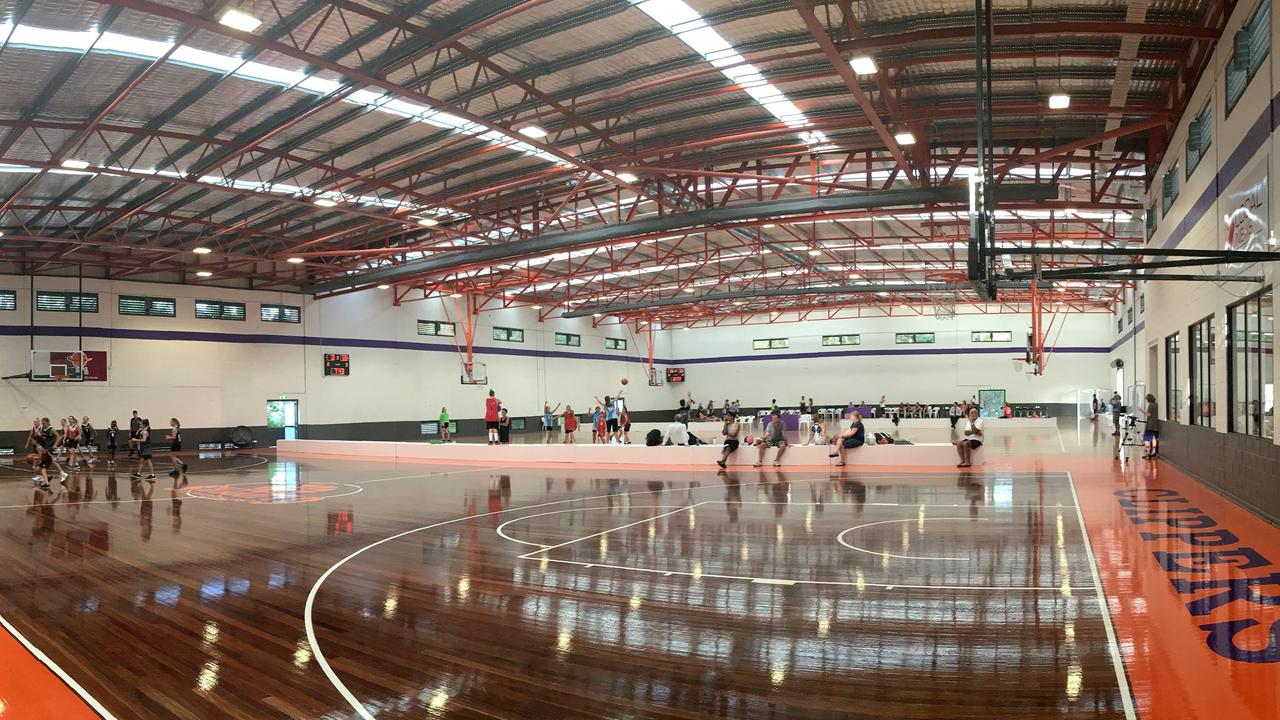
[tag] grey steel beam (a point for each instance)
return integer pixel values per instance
(552, 242)
(1124, 277)
(1230, 255)
(790, 292)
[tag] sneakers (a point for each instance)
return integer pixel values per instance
(151, 478)
(136, 476)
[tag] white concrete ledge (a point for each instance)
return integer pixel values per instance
(702, 456)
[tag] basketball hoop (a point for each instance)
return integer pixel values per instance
(1020, 365)
(654, 379)
(474, 373)
(944, 307)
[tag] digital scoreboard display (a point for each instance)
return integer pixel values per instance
(337, 364)
(675, 375)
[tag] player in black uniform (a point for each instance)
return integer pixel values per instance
(88, 433)
(113, 441)
(135, 425)
(175, 446)
(144, 452)
(48, 442)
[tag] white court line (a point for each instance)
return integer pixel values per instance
(429, 475)
(323, 662)
(57, 670)
(840, 539)
(1117, 663)
(559, 512)
(545, 549)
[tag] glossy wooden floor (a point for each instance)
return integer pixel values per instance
(267, 588)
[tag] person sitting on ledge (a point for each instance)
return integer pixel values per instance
(730, 430)
(855, 436)
(972, 438)
(773, 437)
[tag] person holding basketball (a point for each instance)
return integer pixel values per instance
(611, 426)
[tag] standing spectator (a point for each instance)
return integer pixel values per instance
(446, 433)
(1095, 408)
(1151, 438)
(955, 414)
(773, 437)
(504, 428)
(736, 407)
(1117, 409)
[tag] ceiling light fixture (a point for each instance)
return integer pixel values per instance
(202, 250)
(75, 164)
(532, 131)
(1059, 101)
(455, 296)
(536, 307)
(627, 177)
(242, 21)
(203, 273)
(864, 65)
(815, 252)
(905, 137)
(690, 290)
(428, 222)
(295, 260)
(384, 287)
(595, 315)
(324, 202)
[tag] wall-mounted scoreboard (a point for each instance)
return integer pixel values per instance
(337, 364)
(675, 375)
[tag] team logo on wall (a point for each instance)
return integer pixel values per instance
(273, 493)
(1248, 216)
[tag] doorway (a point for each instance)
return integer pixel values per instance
(283, 414)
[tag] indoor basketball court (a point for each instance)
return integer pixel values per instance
(628, 359)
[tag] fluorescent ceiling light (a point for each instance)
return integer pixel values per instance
(535, 307)
(75, 164)
(532, 131)
(202, 250)
(905, 138)
(864, 65)
(626, 177)
(855, 276)
(203, 273)
(815, 252)
(1059, 101)
(690, 290)
(428, 222)
(242, 21)
(384, 287)
(455, 296)
(595, 315)
(295, 260)
(324, 202)
(686, 24)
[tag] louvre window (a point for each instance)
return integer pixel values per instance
(1170, 187)
(913, 338)
(281, 313)
(508, 334)
(568, 339)
(615, 344)
(8, 300)
(139, 305)
(836, 340)
(991, 336)
(1250, 49)
(771, 344)
(1199, 138)
(67, 302)
(1152, 221)
(219, 310)
(435, 327)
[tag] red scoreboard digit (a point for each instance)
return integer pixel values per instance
(337, 364)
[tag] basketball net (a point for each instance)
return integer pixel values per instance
(944, 307)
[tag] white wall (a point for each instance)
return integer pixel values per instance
(1197, 219)
(954, 367)
(224, 376)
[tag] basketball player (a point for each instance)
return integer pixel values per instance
(570, 425)
(175, 446)
(445, 434)
(491, 410)
(135, 426)
(113, 441)
(48, 443)
(71, 440)
(548, 422)
(144, 452)
(87, 435)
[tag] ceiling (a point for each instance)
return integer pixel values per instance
(340, 146)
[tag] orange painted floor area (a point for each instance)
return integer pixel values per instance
(29, 690)
(1198, 624)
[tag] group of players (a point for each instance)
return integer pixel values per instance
(75, 439)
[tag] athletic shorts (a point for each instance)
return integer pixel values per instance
(175, 447)
(731, 444)
(491, 424)
(1150, 435)
(611, 425)
(46, 460)
(974, 444)
(627, 427)
(144, 454)
(852, 442)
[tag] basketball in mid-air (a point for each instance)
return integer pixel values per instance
(624, 381)
(33, 458)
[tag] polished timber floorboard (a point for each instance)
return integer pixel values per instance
(305, 588)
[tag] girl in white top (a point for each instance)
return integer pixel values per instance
(971, 439)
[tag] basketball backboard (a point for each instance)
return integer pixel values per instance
(58, 365)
